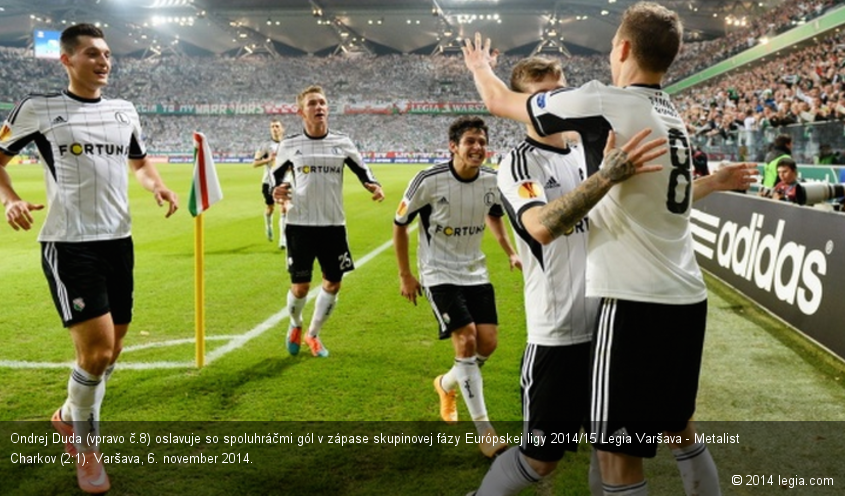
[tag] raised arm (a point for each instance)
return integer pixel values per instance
(498, 98)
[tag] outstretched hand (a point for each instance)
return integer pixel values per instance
(629, 160)
(18, 214)
(736, 177)
(477, 55)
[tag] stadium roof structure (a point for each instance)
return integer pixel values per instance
(322, 27)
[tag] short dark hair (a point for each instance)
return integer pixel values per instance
(533, 69)
(70, 36)
(655, 33)
(782, 140)
(463, 124)
(788, 162)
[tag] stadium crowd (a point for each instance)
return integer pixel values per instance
(801, 93)
(698, 55)
(736, 116)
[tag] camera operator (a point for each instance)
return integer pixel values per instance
(787, 187)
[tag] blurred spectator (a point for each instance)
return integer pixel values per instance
(829, 157)
(699, 163)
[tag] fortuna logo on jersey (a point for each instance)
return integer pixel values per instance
(787, 269)
(320, 169)
(459, 231)
(91, 149)
(529, 190)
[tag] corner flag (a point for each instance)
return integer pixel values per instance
(205, 189)
(205, 192)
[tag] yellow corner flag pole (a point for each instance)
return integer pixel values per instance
(199, 290)
(205, 192)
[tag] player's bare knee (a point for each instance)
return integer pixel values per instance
(96, 361)
(331, 287)
(620, 469)
(300, 290)
(486, 345)
(542, 468)
(464, 340)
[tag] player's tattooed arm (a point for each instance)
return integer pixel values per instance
(560, 215)
(617, 167)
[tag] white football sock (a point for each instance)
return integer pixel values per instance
(472, 389)
(509, 474)
(323, 307)
(295, 306)
(81, 397)
(698, 470)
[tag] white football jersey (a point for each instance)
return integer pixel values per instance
(556, 309)
(265, 151)
(453, 214)
(317, 165)
(84, 145)
(640, 243)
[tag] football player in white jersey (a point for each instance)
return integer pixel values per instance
(455, 201)
(560, 319)
(85, 141)
(265, 157)
(640, 259)
(316, 224)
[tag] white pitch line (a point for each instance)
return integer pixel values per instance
(172, 342)
(268, 324)
(235, 342)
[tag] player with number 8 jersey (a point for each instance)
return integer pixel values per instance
(640, 240)
(647, 350)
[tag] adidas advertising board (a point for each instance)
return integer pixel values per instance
(787, 258)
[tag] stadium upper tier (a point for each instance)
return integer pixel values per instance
(736, 115)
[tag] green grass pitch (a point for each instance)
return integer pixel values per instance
(384, 355)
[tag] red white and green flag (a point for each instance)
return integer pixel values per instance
(205, 189)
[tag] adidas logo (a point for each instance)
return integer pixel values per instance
(552, 183)
(59, 120)
(443, 201)
(298, 153)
